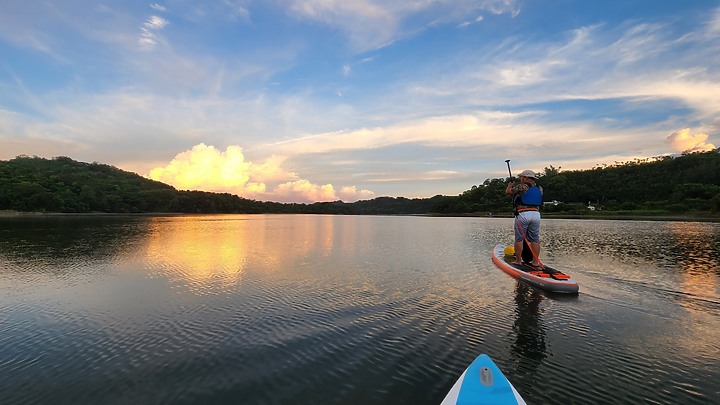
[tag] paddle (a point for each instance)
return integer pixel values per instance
(509, 172)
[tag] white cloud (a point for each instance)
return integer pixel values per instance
(702, 95)
(304, 191)
(444, 131)
(155, 23)
(351, 193)
(524, 74)
(367, 25)
(236, 9)
(685, 141)
(148, 32)
(591, 63)
(468, 23)
(158, 7)
(208, 169)
(714, 23)
(415, 176)
(372, 24)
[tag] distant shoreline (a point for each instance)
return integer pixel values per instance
(629, 217)
(10, 214)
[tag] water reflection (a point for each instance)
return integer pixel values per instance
(202, 253)
(214, 253)
(698, 283)
(697, 247)
(286, 309)
(696, 253)
(528, 327)
(57, 245)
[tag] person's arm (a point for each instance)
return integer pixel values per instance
(509, 189)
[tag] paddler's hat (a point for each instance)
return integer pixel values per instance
(528, 173)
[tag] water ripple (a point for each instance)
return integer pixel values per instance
(352, 310)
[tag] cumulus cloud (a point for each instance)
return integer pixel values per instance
(208, 169)
(305, 191)
(309, 191)
(351, 193)
(687, 142)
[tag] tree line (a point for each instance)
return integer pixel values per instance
(684, 184)
(689, 183)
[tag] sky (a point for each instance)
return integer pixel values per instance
(324, 100)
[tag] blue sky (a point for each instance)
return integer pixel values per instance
(320, 100)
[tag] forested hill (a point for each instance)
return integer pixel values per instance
(64, 185)
(685, 184)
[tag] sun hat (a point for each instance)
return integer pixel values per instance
(528, 173)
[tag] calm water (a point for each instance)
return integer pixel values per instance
(350, 310)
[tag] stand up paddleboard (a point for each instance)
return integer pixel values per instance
(483, 383)
(547, 278)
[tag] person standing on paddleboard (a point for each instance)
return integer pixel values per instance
(527, 199)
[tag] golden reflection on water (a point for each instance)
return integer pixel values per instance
(202, 252)
(699, 266)
(699, 281)
(215, 252)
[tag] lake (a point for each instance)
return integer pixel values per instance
(303, 309)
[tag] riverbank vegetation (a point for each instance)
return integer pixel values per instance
(684, 185)
(687, 185)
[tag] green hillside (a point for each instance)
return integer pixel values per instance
(687, 184)
(33, 184)
(64, 185)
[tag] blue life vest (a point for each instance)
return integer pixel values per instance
(532, 197)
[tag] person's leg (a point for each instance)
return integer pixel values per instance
(518, 252)
(533, 235)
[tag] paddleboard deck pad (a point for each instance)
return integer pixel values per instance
(547, 278)
(483, 383)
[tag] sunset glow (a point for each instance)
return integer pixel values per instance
(207, 254)
(206, 168)
(685, 141)
(201, 260)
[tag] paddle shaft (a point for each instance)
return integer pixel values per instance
(509, 171)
